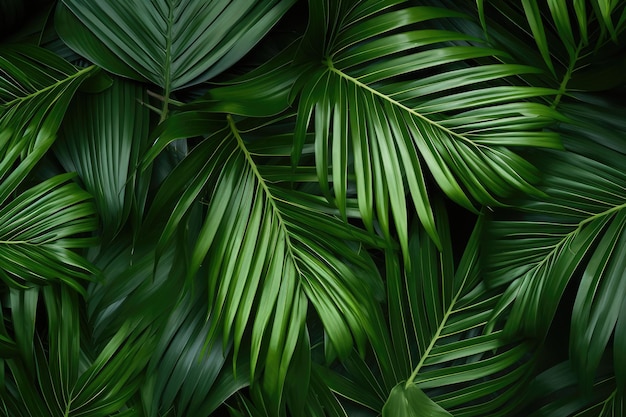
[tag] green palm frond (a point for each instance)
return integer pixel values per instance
(395, 100)
(263, 208)
(277, 251)
(440, 359)
(39, 230)
(605, 13)
(556, 393)
(170, 43)
(60, 377)
(181, 374)
(105, 152)
(318, 401)
(579, 227)
(262, 92)
(580, 42)
(36, 87)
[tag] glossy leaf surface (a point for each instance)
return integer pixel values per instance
(171, 43)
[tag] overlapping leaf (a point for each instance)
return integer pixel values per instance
(39, 230)
(66, 378)
(440, 359)
(576, 41)
(171, 43)
(262, 92)
(319, 402)
(105, 152)
(580, 227)
(269, 250)
(556, 392)
(36, 87)
(397, 102)
(180, 374)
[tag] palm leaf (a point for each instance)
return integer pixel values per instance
(180, 374)
(575, 40)
(39, 230)
(273, 251)
(556, 393)
(439, 358)
(172, 44)
(318, 401)
(580, 227)
(397, 102)
(61, 377)
(105, 152)
(262, 92)
(36, 87)
(39, 30)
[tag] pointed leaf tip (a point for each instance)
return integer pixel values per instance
(410, 401)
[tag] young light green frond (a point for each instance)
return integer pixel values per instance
(267, 263)
(410, 401)
(397, 105)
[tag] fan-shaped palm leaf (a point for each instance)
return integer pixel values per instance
(581, 226)
(440, 358)
(271, 250)
(171, 43)
(36, 87)
(392, 97)
(105, 151)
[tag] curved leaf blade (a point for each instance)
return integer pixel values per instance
(410, 401)
(106, 151)
(171, 43)
(372, 74)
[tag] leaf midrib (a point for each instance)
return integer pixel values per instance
(450, 310)
(167, 64)
(270, 197)
(396, 103)
(17, 242)
(556, 247)
(51, 87)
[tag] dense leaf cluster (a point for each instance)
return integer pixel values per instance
(324, 208)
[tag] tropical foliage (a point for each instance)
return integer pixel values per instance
(323, 208)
